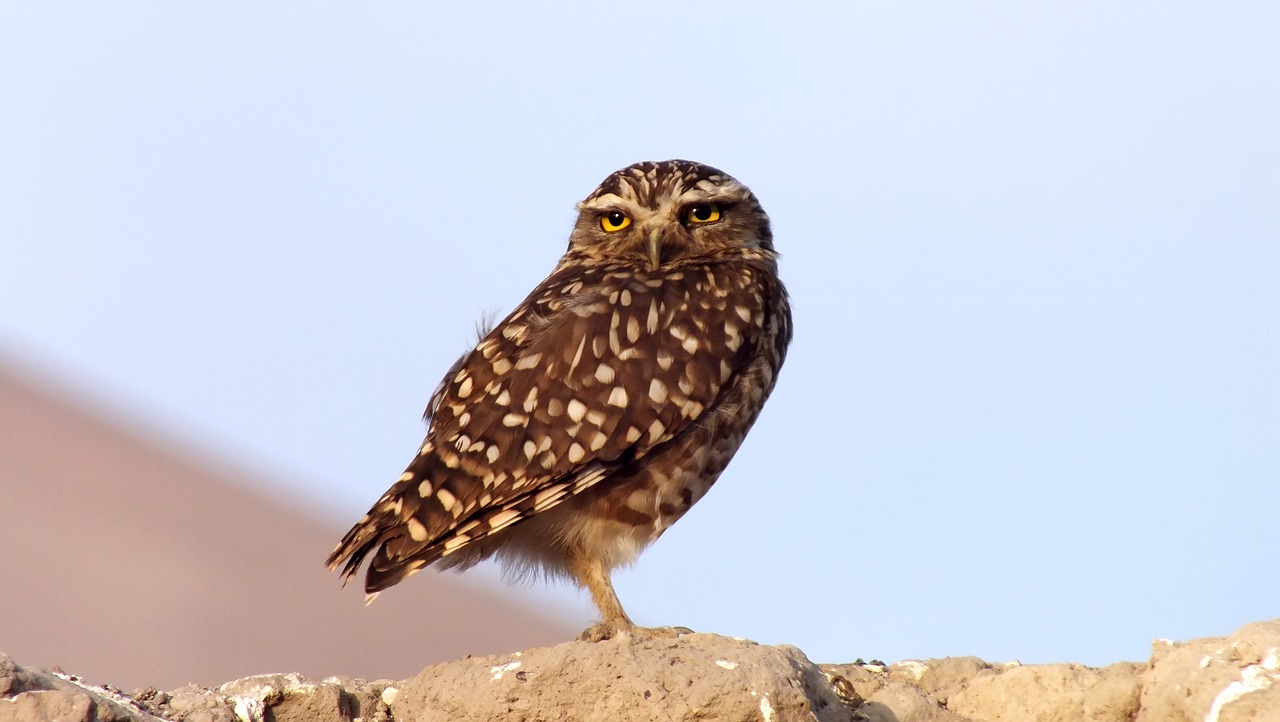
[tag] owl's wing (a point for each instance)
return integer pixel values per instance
(597, 368)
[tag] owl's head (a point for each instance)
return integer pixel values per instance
(654, 214)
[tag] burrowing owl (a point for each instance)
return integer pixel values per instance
(608, 402)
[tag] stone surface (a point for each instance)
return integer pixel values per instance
(293, 698)
(1218, 679)
(693, 677)
(38, 696)
(1052, 693)
(703, 676)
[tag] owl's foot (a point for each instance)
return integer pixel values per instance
(598, 633)
(593, 574)
(602, 631)
(659, 632)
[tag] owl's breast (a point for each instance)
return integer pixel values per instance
(709, 344)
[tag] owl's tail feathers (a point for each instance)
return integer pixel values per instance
(394, 556)
(353, 548)
(383, 532)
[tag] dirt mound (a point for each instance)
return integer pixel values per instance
(704, 676)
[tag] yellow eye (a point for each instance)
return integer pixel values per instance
(703, 213)
(614, 221)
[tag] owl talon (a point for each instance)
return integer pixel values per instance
(660, 632)
(602, 631)
(599, 633)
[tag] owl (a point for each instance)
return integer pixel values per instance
(591, 418)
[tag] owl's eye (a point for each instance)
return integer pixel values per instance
(614, 221)
(703, 213)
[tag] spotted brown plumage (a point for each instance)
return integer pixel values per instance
(606, 404)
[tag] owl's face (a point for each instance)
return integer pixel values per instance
(655, 214)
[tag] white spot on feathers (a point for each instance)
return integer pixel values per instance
(416, 530)
(448, 501)
(657, 391)
(618, 397)
(604, 373)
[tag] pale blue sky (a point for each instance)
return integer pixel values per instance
(1033, 405)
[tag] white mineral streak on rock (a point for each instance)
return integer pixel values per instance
(249, 709)
(766, 709)
(1253, 678)
(502, 669)
(914, 666)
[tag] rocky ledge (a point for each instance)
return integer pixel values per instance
(707, 677)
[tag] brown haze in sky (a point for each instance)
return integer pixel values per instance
(131, 562)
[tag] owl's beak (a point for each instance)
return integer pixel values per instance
(655, 248)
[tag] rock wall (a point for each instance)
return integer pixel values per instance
(707, 677)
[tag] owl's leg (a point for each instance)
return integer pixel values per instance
(591, 573)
